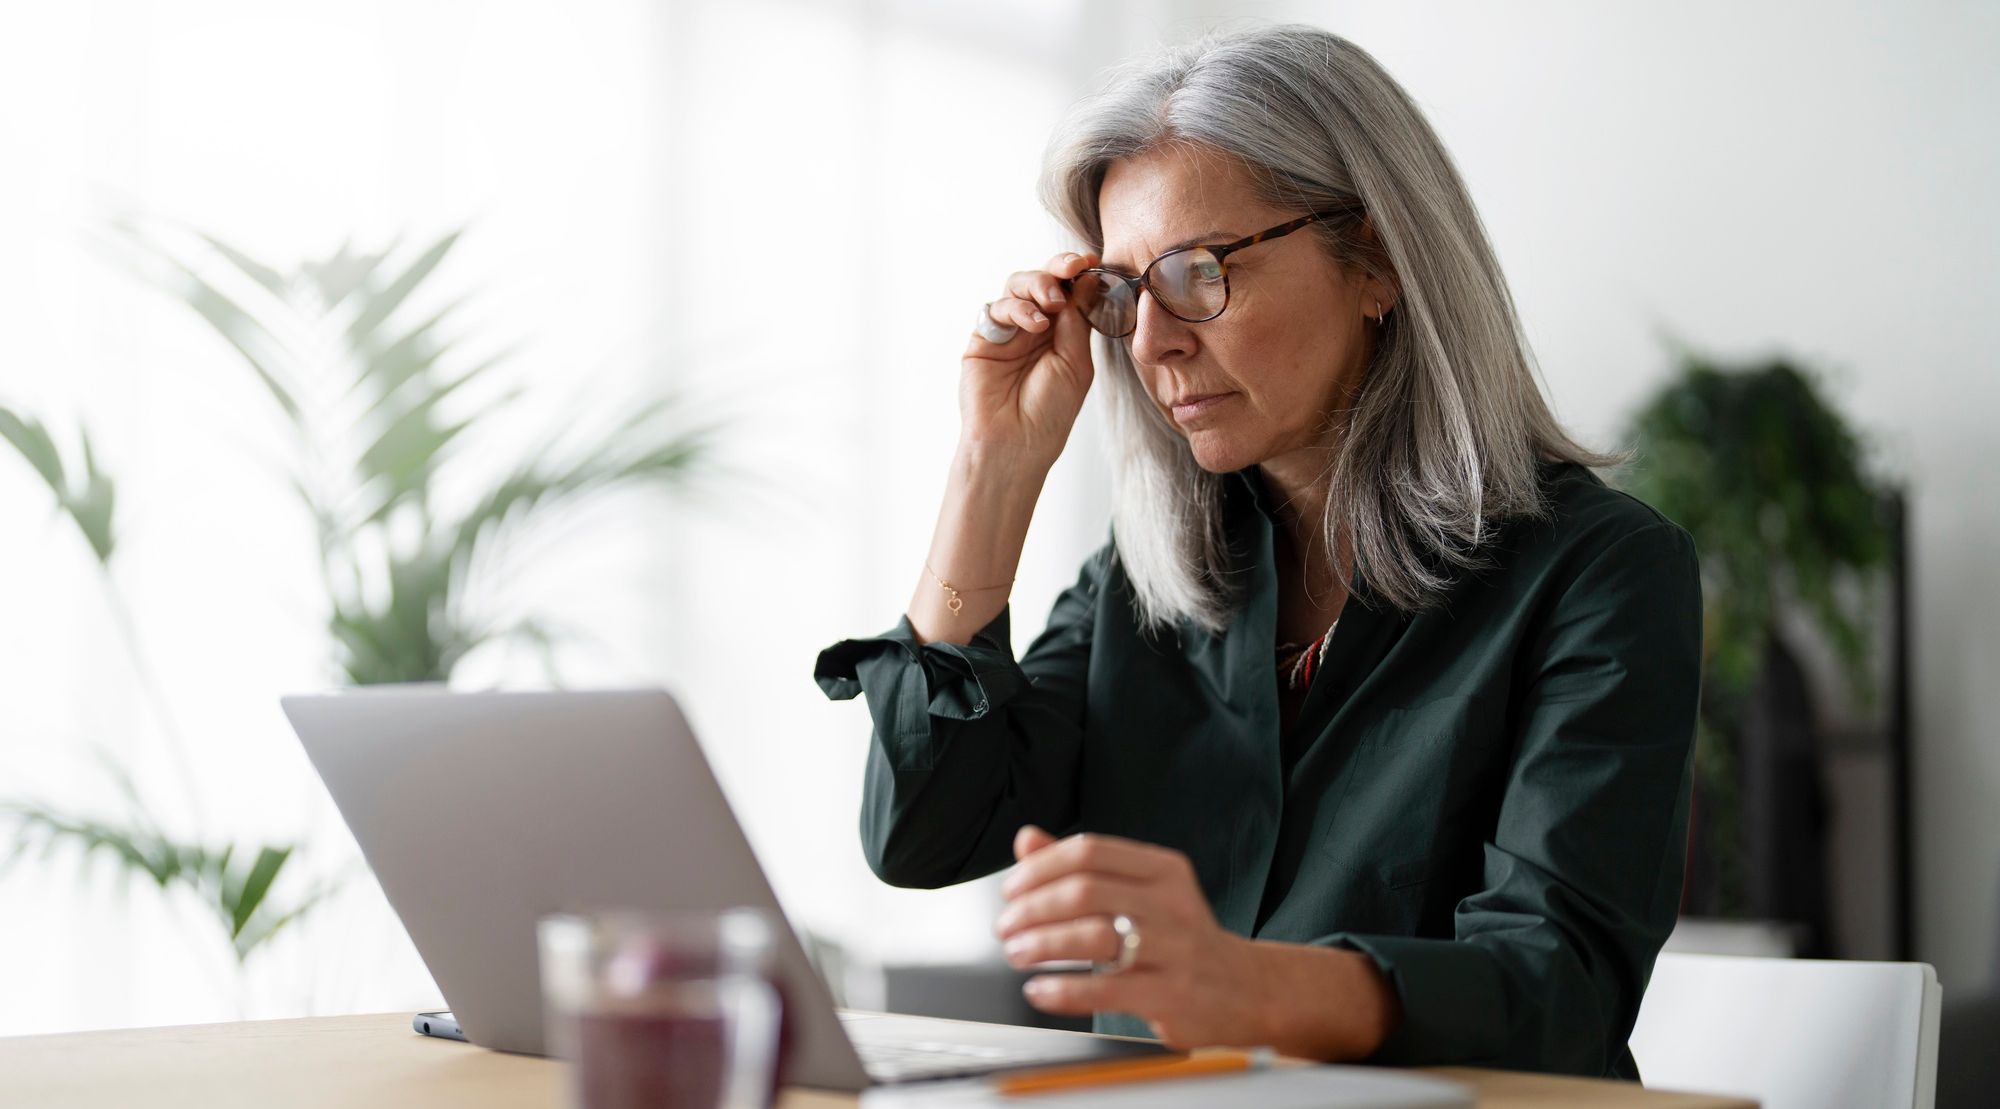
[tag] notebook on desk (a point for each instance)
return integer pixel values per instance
(480, 812)
(1299, 1087)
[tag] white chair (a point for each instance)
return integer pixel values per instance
(1792, 1033)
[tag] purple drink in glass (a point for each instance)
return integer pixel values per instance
(664, 1010)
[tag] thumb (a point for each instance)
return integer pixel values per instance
(1029, 840)
(1072, 342)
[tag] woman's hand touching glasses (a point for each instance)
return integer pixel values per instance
(1022, 396)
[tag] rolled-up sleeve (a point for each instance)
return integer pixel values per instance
(1582, 877)
(968, 743)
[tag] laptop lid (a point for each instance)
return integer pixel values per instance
(479, 812)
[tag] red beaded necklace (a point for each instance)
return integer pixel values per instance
(1301, 663)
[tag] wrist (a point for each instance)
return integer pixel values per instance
(999, 487)
(1268, 1018)
(989, 502)
(1007, 461)
(1325, 1003)
(1377, 1008)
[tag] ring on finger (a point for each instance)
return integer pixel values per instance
(990, 329)
(1128, 946)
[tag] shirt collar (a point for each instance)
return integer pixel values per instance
(1249, 483)
(1251, 480)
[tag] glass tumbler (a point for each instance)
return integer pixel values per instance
(663, 1010)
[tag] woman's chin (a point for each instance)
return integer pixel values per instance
(1217, 454)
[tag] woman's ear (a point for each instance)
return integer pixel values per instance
(1381, 290)
(1386, 295)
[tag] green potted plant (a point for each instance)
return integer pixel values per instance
(1776, 489)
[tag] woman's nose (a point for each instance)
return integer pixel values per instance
(1159, 335)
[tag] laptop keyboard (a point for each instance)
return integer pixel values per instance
(905, 1060)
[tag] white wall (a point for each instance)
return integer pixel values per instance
(1754, 178)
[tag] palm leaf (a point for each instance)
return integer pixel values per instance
(338, 277)
(366, 655)
(90, 505)
(260, 929)
(272, 281)
(533, 486)
(377, 308)
(239, 895)
(417, 636)
(250, 337)
(410, 638)
(94, 505)
(243, 896)
(413, 355)
(404, 456)
(139, 850)
(35, 444)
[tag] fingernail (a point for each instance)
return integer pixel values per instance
(1013, 949)
(1055, 296)
(1033, 987)
(1038, 317)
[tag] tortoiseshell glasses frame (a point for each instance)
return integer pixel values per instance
(1109, 300)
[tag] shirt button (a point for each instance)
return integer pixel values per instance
(980, 708)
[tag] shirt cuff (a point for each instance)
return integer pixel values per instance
(908, 682)
(1453, 1001)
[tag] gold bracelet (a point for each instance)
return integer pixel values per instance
(956, 603)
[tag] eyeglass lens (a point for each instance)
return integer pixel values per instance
(1188, 283)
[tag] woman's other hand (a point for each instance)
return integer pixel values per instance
(1023, 395)
(1194, 982)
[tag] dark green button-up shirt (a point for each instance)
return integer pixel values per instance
(1488, 798)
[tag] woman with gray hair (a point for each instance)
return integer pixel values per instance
(1368, 734)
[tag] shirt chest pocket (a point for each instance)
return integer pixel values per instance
(1398, 803)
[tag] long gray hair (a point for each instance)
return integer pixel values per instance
(1445, 435)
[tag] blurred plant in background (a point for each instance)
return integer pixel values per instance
(379, 408)
(1773, 485)
(374, 434)
(235, 887)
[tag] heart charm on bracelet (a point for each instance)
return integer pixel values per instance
(956, 602)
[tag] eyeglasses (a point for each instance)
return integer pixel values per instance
(1191, 283)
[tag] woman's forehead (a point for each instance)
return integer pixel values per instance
(1170, 197)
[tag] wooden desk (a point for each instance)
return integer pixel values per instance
(376, 1062)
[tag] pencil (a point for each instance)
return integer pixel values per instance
(1128, 1070)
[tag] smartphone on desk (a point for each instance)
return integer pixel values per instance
(442, 1025)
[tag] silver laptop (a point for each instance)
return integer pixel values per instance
(480, 812)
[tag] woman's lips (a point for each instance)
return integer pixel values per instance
(1197, 406)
